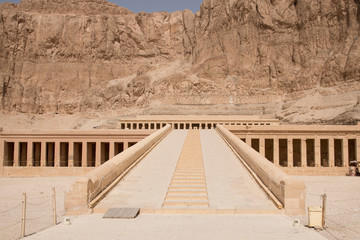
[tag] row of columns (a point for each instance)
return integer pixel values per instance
(317, 150)
(53, 150)
(180, 125)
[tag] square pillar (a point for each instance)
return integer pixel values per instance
(262, 146)
(98, 154)
(276, 151)
(29, 158)
(331, 153)
(345, 150)
(290, 152)
(317, 152)
(126, 145)
(16, 154)
(71, 154)
(2, 153)
(111, 149)
(84, 154)
(57, 154)
(303, 153)
(358, 149)
(43, 154)
(248, 141)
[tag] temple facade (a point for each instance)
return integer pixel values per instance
(297, 149)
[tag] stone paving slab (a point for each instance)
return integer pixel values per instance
(122, 213)
(146, 185)
(229, 184)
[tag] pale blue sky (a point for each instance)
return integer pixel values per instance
(151, 5)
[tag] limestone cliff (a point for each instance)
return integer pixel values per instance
(298, 60)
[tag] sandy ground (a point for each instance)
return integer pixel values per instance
(39, 203)
(342, 205)
(179, 227)
(343, 211)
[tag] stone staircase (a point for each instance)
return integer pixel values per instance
(187, 189)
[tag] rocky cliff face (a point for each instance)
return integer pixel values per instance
(298, 60)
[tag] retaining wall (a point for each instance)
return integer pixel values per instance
(86, 188)
(290, 192)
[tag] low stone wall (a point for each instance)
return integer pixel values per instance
(316, 171)
(86, 188)
(290, 192)
(45, 171)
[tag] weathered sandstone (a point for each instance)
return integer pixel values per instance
(296, 60)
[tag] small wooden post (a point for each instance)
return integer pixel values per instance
(54, 206)
(23, 219)
(323, 209)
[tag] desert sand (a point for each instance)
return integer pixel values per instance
(342, 211)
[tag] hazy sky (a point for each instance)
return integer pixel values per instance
(151, 5)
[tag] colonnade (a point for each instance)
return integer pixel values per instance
(324, 151)
(184, 125)
(35, 153)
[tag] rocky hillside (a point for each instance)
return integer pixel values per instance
(295, 60)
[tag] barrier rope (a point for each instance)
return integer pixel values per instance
(9, 226)
(10, 209)
(39, 217)
(39, 211)
(36, 204)
(342, 226)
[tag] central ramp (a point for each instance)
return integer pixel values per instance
(190, 171)
(188, 185)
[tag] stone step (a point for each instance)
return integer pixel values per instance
(188, 183)
(187, 188)
(188, 179)
(187, 192)
(185, 197)
(185, 204)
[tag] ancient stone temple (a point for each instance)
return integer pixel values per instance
(297, 149)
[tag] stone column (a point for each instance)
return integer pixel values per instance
(248, 140)
(16, 154)
(98, 154)
(317, 152)
(2, 153)
(23, 153)
(262, 146)
(57, 154)
(345, 148)
(303, 153)
(84, 154)
(111, 149)
(126, 145)
(290, 152)
(30, 154)
(358, 149)
(71, 154)
(43, 154)
(331, 152)
(276, 151)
